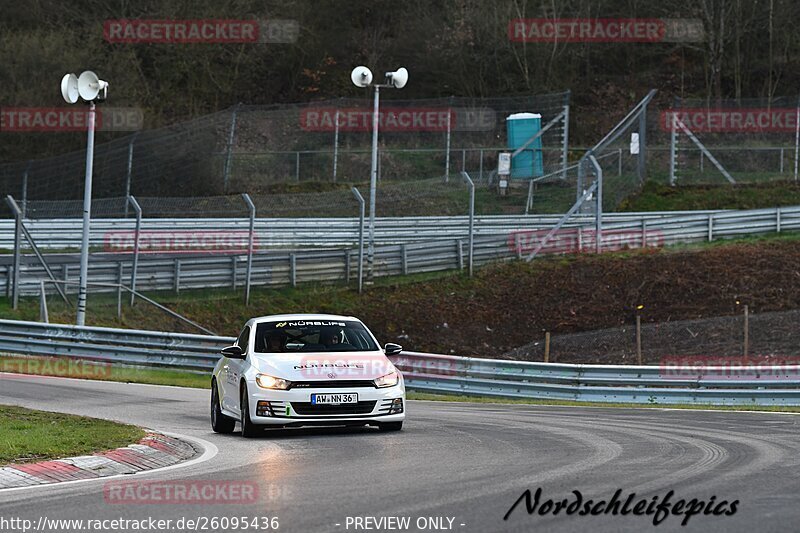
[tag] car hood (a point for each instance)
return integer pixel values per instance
(311, 366)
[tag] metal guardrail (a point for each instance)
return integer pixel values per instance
(596, 383)
(429, 372)
(61, 233)
(444, 245)
(127, 346)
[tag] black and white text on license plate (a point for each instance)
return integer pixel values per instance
(334, 398)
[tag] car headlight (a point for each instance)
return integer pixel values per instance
(271, 382)
(389, 380)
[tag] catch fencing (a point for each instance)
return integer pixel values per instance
(424, 372)
(250, 148)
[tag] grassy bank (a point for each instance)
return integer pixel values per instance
(658, 196)
(28, 436)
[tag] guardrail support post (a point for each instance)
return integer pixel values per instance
(644, 233)
(778, 219)
(25, 189)
(447, 148)
(293, 269)
(43, 316)
(229, 155)
(361, 208)
(347, 266)
(177, 276)
(250, 240)
(404, 259)
(336, 144)
(565, 141)
(233, 272)
(128, 172)
(746, 329)
(471, 236)
(460, 252)
(796, 138)
(638, 339)
(8, 281)
(599, 210)
(119, 290)
(546, 346)
(642, 161)
(710, 227)
(136, 235)
(16, 261)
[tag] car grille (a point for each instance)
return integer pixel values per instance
(334, 383)
(307, 408)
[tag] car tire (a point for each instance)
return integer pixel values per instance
(390, 426)
(219, 422)
(249, 429)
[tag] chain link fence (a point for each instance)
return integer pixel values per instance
(302, 160)
(711, 143)
(309, 148)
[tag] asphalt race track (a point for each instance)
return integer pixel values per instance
(467, 462)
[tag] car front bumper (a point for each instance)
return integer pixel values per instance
(293, 407)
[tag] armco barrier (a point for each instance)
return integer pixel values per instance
(406, 246)
(127, 346)
(423, 372)
(303, 232)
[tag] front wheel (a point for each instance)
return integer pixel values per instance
(219, 422)
(390, 426)
(249, 429)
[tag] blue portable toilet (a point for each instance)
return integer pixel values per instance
(521, 127)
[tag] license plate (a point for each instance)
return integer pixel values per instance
(334, 398)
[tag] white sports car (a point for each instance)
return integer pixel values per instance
(301, 370)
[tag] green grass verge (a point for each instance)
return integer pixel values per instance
(658, 196)
(28, 436)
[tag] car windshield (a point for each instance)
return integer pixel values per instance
(313, 336)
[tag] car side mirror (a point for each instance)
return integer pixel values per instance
(233, 352)
(392, 349)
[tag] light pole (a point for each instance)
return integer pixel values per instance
(362, 77)
(90, 88)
